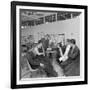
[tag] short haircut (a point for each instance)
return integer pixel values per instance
(40, 41)
(68, 40)
(25, 46)
(73, 41)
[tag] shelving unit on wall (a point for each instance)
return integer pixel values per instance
(53, 37)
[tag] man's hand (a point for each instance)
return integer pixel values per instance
(63, 58)
(42, 65)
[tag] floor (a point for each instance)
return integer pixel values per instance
(27, 72)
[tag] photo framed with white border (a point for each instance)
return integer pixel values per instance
(17, 8)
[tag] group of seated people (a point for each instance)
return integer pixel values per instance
(70, 58)
(67, 56)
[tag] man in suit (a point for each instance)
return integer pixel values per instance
(71, 65)
(38, 59)
(45, 42)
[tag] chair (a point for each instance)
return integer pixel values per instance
(30, 68)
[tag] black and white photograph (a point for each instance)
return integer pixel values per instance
(49, 45)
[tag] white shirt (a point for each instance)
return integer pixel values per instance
(65, 55)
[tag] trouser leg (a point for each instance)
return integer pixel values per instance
(48, 68)
(50, 71)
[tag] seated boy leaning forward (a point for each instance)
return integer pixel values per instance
(38, 60)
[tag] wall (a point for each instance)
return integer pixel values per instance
(71, 28)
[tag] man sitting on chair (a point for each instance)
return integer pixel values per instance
(36, 58)
(71, 59)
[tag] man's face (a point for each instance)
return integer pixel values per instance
(62, 44)
(67, 43)
(23, 54)
(72, 44)
(46, 37)
(58, 45)
(24, 49)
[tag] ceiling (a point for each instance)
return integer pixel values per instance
(32, 15)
